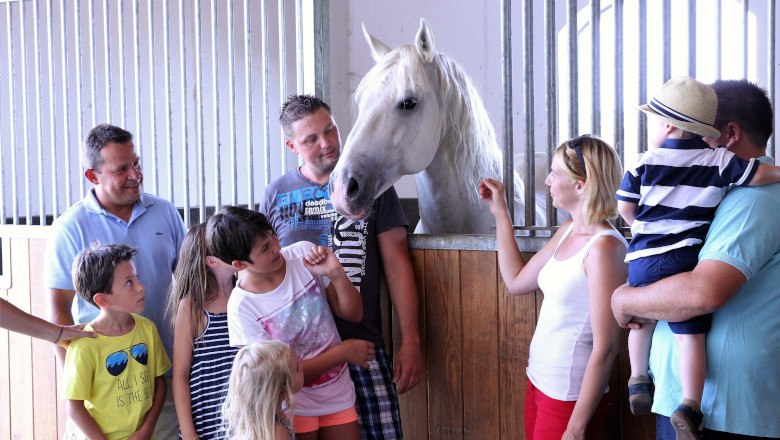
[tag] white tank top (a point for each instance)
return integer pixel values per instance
(563, 340)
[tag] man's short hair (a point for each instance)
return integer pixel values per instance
(93, 268)
(231, 233)
(297, 107)
(99, 137)
(744, 102)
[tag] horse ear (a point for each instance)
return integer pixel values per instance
(378, 48)
(424, 41)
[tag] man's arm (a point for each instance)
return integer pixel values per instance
(58, 303)
(679, 297)
(403, 294)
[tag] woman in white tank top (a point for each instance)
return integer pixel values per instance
(576, 338)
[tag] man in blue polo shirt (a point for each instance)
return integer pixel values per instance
(737, 278)
(116, 211)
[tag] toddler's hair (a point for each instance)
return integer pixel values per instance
(261, 379)
(231, 233)
(93, 268)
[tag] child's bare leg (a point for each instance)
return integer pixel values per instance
(312, 435)
(693, 366)
(640, 398)
(347, 431)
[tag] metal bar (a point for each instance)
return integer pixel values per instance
(719, 39)
(642, 86)
(12, 116)
(92, 68)
(78, 97)
(571, 22)
(25, 124)
(551, 93)
(152, 96)
(745, 11)
(250, 170)
(2, 155)
(322, 49)
(137, 98)
(185, 144)
(282, 75)
(266, 99)
(299, 59)
(619, 86)
(65, 103)
(200, 144)
(106, 61)
(215, 104)
(232, 106)
(506, 88)
(52, 123)
(692, 38)
(528, 101)
(38, 129)
(595, 66)
(667, 37)
(771, 74)
(122, 65)
(167, 99)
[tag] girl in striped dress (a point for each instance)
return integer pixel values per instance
(202, 355)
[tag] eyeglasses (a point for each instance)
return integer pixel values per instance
(117, 362)
(576, 145)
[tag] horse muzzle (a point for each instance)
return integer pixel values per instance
(350, 200)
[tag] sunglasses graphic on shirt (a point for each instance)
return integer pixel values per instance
(117, 362)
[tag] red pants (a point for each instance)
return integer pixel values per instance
(546, 418)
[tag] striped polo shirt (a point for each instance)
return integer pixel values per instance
(677, 188)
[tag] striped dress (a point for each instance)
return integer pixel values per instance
(212, 360)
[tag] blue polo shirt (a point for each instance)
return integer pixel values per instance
(742, 385)
(155, 228)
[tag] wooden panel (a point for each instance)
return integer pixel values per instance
(517, 321)
(444, 346)
(45, 396)
(20, 346)
(479, 299)
(5, 382)
(414, 404)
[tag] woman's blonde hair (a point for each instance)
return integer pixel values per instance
(601, 173)
(261, 379)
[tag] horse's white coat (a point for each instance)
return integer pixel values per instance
(418, 113)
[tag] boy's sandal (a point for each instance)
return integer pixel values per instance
(640, 397)
(686, 422)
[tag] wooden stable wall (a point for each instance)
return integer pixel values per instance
(475, 340)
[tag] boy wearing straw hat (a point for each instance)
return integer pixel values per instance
(669, 199)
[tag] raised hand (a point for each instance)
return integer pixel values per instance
(320, 260)
(492, 191)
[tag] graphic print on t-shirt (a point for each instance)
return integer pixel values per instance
(349, 243)
(307, 209)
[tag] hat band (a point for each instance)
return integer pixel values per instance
(664, 110)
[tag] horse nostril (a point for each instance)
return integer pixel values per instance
(353, 187)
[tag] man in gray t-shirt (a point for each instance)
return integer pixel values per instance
(298, 206)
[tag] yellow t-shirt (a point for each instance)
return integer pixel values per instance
(114, 376)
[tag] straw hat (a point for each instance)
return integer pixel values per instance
(687, 104)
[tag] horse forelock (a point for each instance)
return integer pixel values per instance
(402, 65)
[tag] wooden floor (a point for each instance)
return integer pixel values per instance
(475, 349)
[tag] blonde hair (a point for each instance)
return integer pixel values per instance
(602, 175)
(192, 279)
(260, 381)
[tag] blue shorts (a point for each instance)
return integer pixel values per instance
(647, 270)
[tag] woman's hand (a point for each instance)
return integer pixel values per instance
(492, 191)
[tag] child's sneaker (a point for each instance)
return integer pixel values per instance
(640, 398)
(686, 421)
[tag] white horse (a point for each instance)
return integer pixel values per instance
(418, 113)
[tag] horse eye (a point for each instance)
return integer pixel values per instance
(407, 104)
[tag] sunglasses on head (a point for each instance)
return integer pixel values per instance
(117, 362)
(576, 145)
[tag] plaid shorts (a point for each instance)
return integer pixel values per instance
(377, 401)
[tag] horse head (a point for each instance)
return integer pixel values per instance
(399, 125)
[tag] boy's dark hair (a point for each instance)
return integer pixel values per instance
(98, 138)
(297, 107)
(231, 233)
(93, 268)
(746, 103)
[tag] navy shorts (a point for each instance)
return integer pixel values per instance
(647, 270)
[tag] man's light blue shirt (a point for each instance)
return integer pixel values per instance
(155, 228)
(742, 387)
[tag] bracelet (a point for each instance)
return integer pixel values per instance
(59, 335)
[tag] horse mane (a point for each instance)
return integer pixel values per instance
(471, 139)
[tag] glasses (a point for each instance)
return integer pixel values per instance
(576, 145)
(117, 362)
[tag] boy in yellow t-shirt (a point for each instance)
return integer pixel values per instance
(115, 383)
